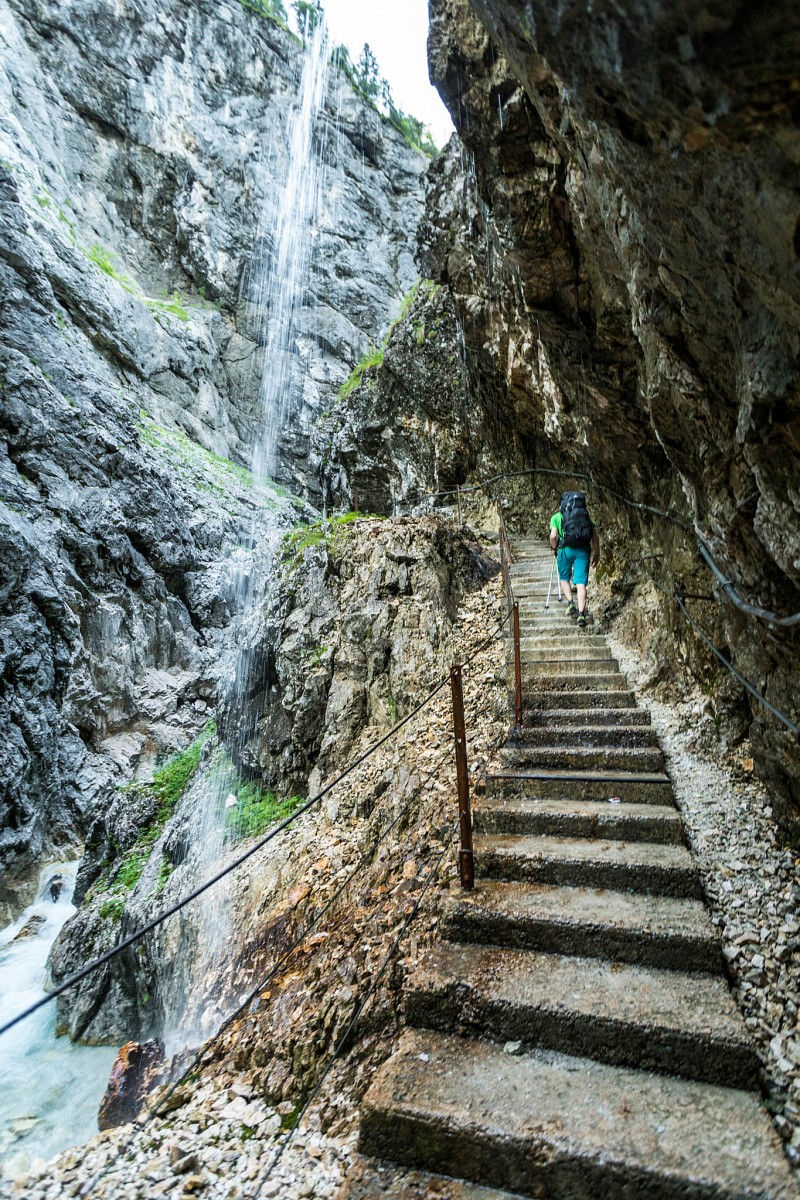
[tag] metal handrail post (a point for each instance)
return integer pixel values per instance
(466, 865)
(517, 670)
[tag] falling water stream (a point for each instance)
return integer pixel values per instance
(276, 286)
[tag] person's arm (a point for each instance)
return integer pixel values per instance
(555, 537)
(595, 546)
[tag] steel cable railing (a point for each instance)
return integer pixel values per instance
(153, 924)
(138, 934)
(274, 970)
(196, 1063)
(791, 725)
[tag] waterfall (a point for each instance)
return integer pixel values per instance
(288, 223)
(275, 287)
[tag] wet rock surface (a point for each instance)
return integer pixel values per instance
(358, 625)
(128, 1083)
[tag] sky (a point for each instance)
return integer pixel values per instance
(396, 31)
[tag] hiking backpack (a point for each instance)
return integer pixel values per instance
(576, 526)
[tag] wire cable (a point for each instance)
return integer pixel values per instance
(790, 725)
(196, 1062)
(750, 610)
(135, 937)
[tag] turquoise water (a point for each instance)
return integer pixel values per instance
(50, 1088)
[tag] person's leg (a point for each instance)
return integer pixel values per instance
(581, 577)
(565, 560)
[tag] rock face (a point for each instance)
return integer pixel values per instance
(358, 622)
(357, 626)
(128, 1083)
(618, 230)
(414, 429)
(139, 149)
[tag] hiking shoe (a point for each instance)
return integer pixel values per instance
(581, 619)
(572, 608)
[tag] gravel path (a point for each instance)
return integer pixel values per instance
(751, 884)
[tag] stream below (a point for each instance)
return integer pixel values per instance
(50, 1088)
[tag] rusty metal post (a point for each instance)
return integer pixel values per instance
(460, 514)
(517, 670)
(465, 863)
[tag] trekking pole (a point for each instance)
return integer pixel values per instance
(550, 584)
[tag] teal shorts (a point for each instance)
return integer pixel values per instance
(573, 565)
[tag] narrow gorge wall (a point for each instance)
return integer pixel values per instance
(618, 228)
(139, 146)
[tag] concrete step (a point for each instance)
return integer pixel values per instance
(582, 757)
(534, 668)
(535, 610)
(667, 1021)
(560, 630)
(549, 1125)
(555, 678)
(376, 1179)
(566, 639)
(587, 651)
(578, 734)
(579, 818)
(655, 931)
(578, 715)
(647, 867)
(547, 698)
(636, 787)
(536, 584)
(539, 614)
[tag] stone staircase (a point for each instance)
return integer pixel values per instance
(572, 1037)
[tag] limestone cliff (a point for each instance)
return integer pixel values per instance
(618, 228)
(140, 146)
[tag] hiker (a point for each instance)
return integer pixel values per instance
(574, 539)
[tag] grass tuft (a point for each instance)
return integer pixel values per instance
(168, 784)
(331, 532)
(256, 807)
